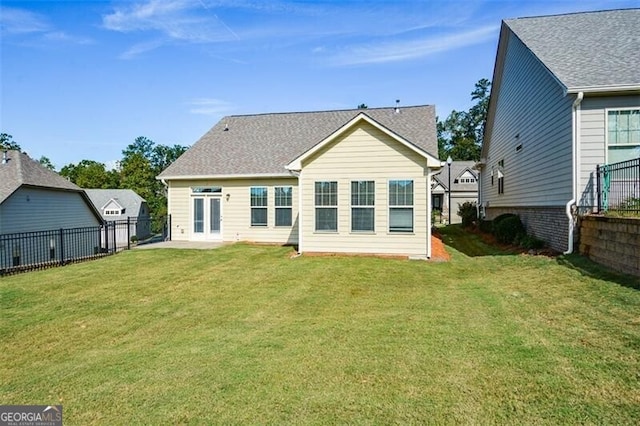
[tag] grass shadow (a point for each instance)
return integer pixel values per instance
(591, 269)
(469, 243)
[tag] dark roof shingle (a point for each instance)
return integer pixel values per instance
(20, 170)
(264, 144)
(585, 50)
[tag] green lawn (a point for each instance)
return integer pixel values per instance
(246, 335)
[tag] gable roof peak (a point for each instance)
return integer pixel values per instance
(18, 169)
(585, 51)
(263, 144)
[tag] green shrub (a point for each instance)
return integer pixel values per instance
(530, 242)
(468, 211)
(508, 229)
(502, 217)
(486, 226)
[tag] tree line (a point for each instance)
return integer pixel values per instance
(461, 134)
(141, 162)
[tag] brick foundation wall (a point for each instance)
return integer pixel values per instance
(612, 241)
(549, 224)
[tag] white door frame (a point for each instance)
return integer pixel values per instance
(203, 231)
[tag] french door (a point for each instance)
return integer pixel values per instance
(207, 217)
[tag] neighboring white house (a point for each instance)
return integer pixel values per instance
(34, 198)
(351, 181)
(565, 97)
(120, 205)
(464, 188)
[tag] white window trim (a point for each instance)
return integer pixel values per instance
(356, 206)
(276, 206)
(606, 130)
(316, 207)
(259, 225)
(413, 209)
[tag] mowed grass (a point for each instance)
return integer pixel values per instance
(247, 335)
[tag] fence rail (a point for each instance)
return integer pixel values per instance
(618, 187)
(26, 251)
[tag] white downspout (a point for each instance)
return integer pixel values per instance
(429, 207)
(575, 178)
(299, 212)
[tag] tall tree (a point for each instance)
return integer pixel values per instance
(45, 161)
(142, 161)
(461, 134)
(7, 142)
(91, 174)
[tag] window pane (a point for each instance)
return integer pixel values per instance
(283, 217)
(283, 196)
(363, 193)
(214, 212)
(198, 215)
(258, 217)
(401, 219)
(362, 219)
(326, 219)
(623, 127)
(401, 193)
(258, 196)
(326, 193)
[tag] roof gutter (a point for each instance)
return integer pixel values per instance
(604, 89)
(575, 136)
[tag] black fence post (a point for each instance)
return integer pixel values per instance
(169, 225)
(128, 232)
(61, 235)
(598, 188)
(106, 237)
(114, 239)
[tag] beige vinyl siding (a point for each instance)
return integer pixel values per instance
(236, 211)
(365, 153)
(593, 141)
(531, 110)
(34, 209)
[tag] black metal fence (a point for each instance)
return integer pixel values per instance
(26, 251)
(618, 187)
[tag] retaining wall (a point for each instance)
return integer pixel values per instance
(612, 241)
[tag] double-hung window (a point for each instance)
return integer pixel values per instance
(363, 198)
(259, 206)
(401, 206)
(623, 135)
(283, 205)
(326, 202)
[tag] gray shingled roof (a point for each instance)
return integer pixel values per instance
(126, 198)
(590, 49)
(457, 168)
(21, 170)
(264, 144)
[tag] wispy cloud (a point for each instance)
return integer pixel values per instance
(209, 106)
(61, 36)
(373, 53)
(175, 20)
(140, 48)
(19, 22)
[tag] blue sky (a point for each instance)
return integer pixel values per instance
(82, 79)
